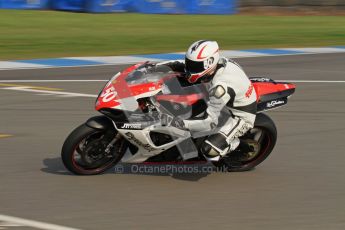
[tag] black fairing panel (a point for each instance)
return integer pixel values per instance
(116, 114)
(178, 109)
(277, 95)
(274, 100)
(100, 122)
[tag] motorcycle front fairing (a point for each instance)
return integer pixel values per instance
(123, 90)
(119, 100)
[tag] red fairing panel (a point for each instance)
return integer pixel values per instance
(183, 99)
(261, 88)
(120, 89)
(264, 88)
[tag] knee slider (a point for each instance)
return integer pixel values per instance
(208, 151)
(214, 145)
(205, 148)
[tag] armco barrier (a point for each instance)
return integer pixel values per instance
(24, 4)
(184, 6)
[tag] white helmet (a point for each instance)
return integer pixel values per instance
(201, 58)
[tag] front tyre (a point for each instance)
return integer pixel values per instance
(89, 151)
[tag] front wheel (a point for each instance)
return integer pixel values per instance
(262, 138)
(89, 151)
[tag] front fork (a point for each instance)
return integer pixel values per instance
(104, 123)
(112, 142)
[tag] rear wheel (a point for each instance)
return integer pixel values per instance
(89, 151)
(262, 138)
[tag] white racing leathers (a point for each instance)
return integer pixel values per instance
(232, 105)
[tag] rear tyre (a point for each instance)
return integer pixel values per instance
(84, 151)
(262, 138)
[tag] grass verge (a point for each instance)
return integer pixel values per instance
(43, 34)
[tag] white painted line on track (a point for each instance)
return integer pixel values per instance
(32, 223)
(5, 225)
(60, 67)
(43, 94)
(66, 94)
(127, 60)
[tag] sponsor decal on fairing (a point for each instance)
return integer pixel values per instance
(131, 137)
(130, 126)
(275, 103)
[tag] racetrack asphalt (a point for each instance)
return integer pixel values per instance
(300, 186)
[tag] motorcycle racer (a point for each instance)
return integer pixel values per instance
(207, 104)
(229, 90)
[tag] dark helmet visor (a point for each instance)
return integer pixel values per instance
(194, 66)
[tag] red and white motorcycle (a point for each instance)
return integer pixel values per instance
(130, 129)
